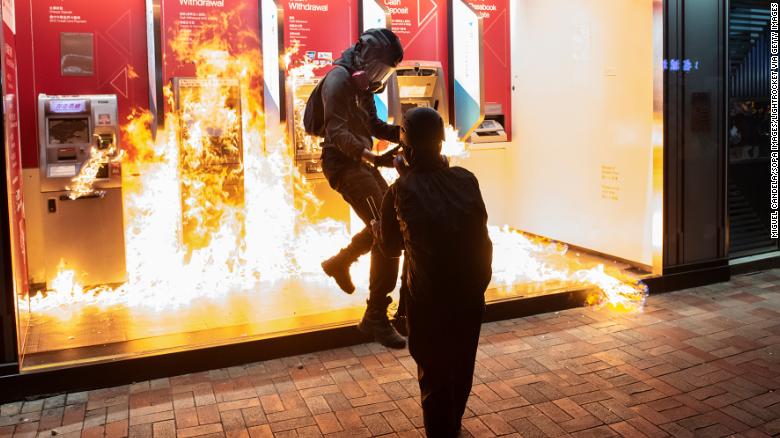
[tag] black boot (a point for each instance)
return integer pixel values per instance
(399, 322)
(338, 268)
(375, 323)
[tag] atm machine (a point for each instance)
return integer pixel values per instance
(307, 148)
(307, 152)
(211, 166)
(421, 84)
(491, 130)
(83, 231)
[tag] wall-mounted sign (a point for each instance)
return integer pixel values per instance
(497, 60)
(467, 67)
(182, 21)
(318, 31)
(272, 23)
(374, 15)
(422, 28)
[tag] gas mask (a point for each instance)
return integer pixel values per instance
(374, 77)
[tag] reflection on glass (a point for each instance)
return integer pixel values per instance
(76, 54)
(69, 131)
(580, 170)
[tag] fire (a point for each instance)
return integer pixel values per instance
(84, 182)
(175, 185)
(453, 147)
(519, 258)
(65, 283)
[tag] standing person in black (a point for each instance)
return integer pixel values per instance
(436, 215)
(350, 122)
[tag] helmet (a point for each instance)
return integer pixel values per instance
(379, 52)
(423, 134)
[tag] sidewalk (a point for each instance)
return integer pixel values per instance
(703, 362)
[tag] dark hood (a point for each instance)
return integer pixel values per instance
(424, 135)
(347, 60)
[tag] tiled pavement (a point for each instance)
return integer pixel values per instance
(703, 362)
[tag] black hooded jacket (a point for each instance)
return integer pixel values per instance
(436, 214)
(350, 118)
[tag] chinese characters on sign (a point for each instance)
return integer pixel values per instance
(683, 65)
(58, 14)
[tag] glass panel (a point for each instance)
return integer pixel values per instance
(210, 233)
(748, 135)
(76, 54)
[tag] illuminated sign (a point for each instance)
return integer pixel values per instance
(68, 106)
(469, 81)
(376, 16)
(685, 65)
(271, 16)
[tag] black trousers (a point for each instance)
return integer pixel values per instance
(443, 341)
(357, 182)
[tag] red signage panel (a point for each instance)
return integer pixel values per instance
(422, 27)
(232, 26)
(319, 29)
(13, 160)
(497, 57)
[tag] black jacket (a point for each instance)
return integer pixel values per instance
(350, 118)
(439, 218)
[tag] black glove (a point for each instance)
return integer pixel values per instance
(386, 159)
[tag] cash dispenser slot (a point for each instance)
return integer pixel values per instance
(67, 154)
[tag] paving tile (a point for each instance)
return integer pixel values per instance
(199, 430)
(117, 429)
(328, 423)
(164, 429)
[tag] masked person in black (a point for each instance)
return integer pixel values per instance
(350, 122)
(435, 213)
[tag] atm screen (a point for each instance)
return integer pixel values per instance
(416, 87)
(413, 91)
(69, 131)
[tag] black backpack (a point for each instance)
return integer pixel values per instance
(314, 115)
